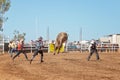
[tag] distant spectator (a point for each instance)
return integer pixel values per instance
(13, 46)
(78, 46)
(10, 48)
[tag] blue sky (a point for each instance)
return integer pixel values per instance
(97, 18)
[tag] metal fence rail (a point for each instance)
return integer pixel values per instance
(82, 48)
(100, 48)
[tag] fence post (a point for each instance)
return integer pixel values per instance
(31, 48)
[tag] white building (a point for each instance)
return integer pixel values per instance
(113, 39)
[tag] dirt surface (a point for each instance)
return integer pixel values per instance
(63, 66)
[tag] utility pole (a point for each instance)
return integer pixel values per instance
(81, 38)
(3, 38)
(80, 34)
(48, 38)
(36, 26)
(48, 34)
(2, 27)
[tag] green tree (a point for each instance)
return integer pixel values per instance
(4, 7)
(18, 35)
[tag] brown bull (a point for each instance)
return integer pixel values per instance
(61, 38)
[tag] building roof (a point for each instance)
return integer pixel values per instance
(111, 35)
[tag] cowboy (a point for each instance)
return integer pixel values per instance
(20, 49)
(38, 49)
(93, 49)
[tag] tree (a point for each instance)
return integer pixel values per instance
(4, 7)
(18, 35)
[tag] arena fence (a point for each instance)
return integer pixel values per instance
(27, 48)
(82, 48)
(100, 47)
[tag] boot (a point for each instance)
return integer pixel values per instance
(42, 61)
(30, 61)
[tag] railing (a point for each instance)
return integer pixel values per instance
(32, 49)
(100, 48)
(112, 48)
(82, 48)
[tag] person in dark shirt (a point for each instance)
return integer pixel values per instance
(93, 49)
(38, 46)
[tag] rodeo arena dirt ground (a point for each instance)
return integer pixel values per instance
(71, 65)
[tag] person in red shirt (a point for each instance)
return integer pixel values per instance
(20, 49)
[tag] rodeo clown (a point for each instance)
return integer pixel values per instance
(93, 49)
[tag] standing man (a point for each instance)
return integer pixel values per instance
(13, 46)
(10, 48)
(20, 49)
(38, 46)
(93, 50)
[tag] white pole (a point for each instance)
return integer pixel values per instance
(3, 31)
(48, 34)
(48, 38)
(3, 42)
(3, 35)
(81, 39)
(36, 26)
